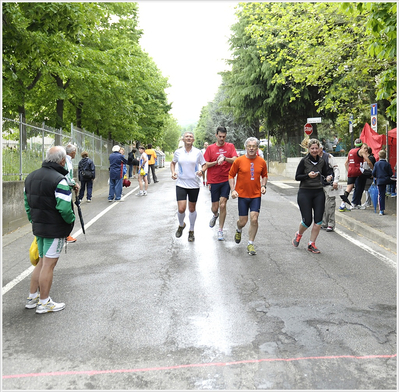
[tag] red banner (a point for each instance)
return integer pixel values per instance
(376, 141)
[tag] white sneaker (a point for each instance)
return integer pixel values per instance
(50, 306)
(145, 193)
(220, 235)
(31, 303)
(139, 193)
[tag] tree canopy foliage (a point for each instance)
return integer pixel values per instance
(291, 61)
(82, 63)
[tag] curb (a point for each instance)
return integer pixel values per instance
(377, 236)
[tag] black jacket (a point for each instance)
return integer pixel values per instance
(47, 220)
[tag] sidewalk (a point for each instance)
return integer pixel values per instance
(379, 229)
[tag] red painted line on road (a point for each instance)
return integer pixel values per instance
(113, 371)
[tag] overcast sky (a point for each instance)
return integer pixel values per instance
(188, 40)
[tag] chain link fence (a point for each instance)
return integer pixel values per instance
(24, 146)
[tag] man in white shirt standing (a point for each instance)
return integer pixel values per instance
(190, 164)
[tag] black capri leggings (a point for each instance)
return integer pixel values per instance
(308, 200)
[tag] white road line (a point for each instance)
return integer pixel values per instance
(28, 271)
(365, 247)
(18, 279)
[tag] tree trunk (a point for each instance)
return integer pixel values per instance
(23, 141)
(60, 102)
(79, 115)
(256, 127)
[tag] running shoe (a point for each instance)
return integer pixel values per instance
(88, 200)
(296, 240)
(71, 240)
(330, 228)
(220, 235)
(50, 306)
(312, 248)
(381, 213)
(31, 303)
(191, 237)
(251, 250)
(213, 220)
(179, 230)
(237, 237)
(145, 193)
(344, 209)
(140, 193)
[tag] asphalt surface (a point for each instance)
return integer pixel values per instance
(148, 311)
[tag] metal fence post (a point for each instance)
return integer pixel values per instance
(20, 146)
(101, 149)
(43, 141)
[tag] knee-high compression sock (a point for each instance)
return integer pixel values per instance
(181, 217)
(192, 216)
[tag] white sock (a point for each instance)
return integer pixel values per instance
(250, 242)
(181, 217)
(43, 301)
(192, 216)
(34, 295)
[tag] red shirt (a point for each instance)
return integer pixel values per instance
(354, 163)
(219, 173)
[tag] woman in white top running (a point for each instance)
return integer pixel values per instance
(190, 170)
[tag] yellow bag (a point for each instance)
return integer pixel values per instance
(34, 252)
(142, 172)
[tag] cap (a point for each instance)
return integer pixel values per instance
(358, 143)
(115, 148)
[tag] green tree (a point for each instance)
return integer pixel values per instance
(252, 92)
(318, 46)
(171, 135)
(381, 28)
(82, 63)
(216, 114)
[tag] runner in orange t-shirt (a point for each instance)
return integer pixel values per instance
(251, 171)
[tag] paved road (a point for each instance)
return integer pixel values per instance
(148, 311)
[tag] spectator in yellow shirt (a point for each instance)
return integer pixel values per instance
(152, 155)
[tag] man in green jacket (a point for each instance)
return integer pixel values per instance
(48, 203)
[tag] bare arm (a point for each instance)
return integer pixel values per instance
(173, 170)
(234, 193)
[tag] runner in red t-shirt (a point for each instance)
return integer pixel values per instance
(219, 158)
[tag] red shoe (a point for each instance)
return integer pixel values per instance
(297, 239)
(71, 240)
(312, 248)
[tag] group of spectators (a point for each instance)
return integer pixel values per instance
(141, 163)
